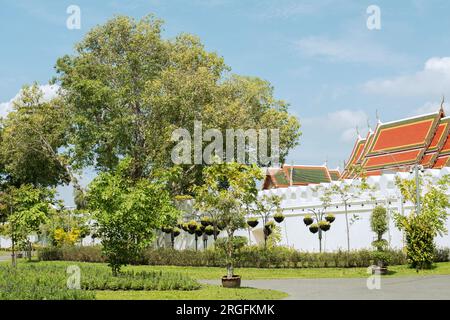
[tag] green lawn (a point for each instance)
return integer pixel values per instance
(207, 292)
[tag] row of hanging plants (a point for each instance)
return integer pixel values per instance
(323, 225)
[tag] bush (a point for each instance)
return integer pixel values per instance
(48, 281)
(246, 256)
(33, 283)
(72, 253)
(238, 243)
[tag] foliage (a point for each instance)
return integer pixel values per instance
(66, 227)
(228, 191)
(128, 212)
(30, 282)
(379, 225)
(379, 221)
(72, 253)
(32, 134)
(49, 281)
(248, 256)
(26, 208)
(347, 191)
(239, 242)
(127, 89)
(421, 228)
(264, 207)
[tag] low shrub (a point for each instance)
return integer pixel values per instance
(72, 253)
(33, 283)
(39, 281)
(246, 256)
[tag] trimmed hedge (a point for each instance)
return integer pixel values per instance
(72, 253)
(45, 281)
(247, 256)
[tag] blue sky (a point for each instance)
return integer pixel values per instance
(319, 55)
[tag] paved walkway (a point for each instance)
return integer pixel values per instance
(419, 287)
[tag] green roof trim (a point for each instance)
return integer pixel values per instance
(280, 177)
(334, 175)
(310, 175)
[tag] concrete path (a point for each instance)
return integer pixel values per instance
(420, 287)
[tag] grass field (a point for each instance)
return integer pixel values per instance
(207, 292)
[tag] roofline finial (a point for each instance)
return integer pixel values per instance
(377, 116)
(442, 103)
(357, 132)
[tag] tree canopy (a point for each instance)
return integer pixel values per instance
(127, 89)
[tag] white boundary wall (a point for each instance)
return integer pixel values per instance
(296, 202)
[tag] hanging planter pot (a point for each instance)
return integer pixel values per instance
(167, 229)
(278, 217)
(308, 220)
(314, 228)
(192, 225)
(268, 228)
(252, 222)
(205, 221)
(324, 225)
(176, 232)
(185, 226)
(199, 232)
(330, 218)
(209, 230)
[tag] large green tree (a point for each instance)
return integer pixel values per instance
(31, 138)
(127, 89)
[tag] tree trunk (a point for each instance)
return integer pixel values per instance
(13, 252)
(29, 247)
(320, 240)
(172, 240)
(348, 228)
(230, 270)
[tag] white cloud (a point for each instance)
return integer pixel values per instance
(341, 124)
(432, 80)
(48, 91)
(347, 50)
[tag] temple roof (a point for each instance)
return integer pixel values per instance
(300, 175)
(423, 139)
(334, 174)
